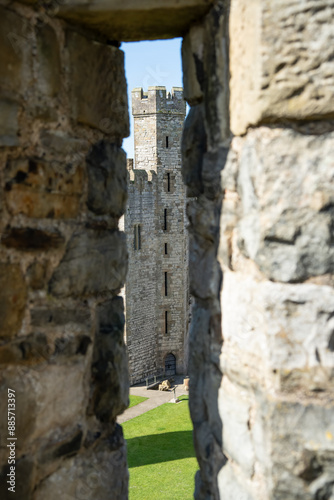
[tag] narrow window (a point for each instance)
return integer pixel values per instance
(166, 249)
(168, 182)
(166, 284)
(135, 241)
(165, 219)
(137, 237)
(166, 322)
(166, 141)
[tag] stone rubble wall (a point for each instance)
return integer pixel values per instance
(62, 258)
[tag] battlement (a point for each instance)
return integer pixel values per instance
(157, 100)
(141, 178)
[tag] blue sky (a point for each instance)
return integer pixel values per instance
(151, 63)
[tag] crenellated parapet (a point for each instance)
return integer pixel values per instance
(158, 100)
(141, 179)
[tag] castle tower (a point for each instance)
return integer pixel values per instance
(155, 224)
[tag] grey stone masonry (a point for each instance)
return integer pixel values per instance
(157, 281)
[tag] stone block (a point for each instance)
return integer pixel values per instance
(280, 61)
(278, 335)
(192, 65)
(15, 53)
(29, 239)
(204, 284)
(133, 21)
(102, 101)
(49, 64)
(235, 414)
(193, 149)
(95, 262)
(25, 350)
(107, 187)
(9, 123)
(13, 295)
(94, 473)
(217, 76)
(43, 189)
(287, 196)
(25, 404)
(60, 386)
(59, 145)
(110, 377)
(300, 457)
(35, 348)
(66, 446)
(37, 275)
(231, 485)
(52, 316)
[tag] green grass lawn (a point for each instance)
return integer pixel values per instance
(135, 400)
(161, 455)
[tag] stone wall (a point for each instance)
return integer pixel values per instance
(205, 144)
(156, 186)
(276, 400)
(274, 369)
(62, 258)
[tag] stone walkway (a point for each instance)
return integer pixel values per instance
(155, 399)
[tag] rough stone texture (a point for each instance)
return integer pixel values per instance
(107, 187)
(30, 239)
(13, 296)
(43, 189)
(60, 316)
(95, 474)
(193, 149)
(49, 78)
(58, 259)
(281, 61)
(16, 54)
(285, 214)
(276, 250)
(36, 391)
(192, 65)
(8, 123)
(37, 275)
(133, 20)
(93, 264)
(101, 102)
(285, 339)
(204, 152)
(157, 282)
(110, 363)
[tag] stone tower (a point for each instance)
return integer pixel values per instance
(155, 223)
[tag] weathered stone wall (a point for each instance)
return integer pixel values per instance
(276, 400)
(62, 259)
(155, 186)
(204, 149)
(274, 420)
(141, 283)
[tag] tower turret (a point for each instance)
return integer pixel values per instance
(158, 120)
